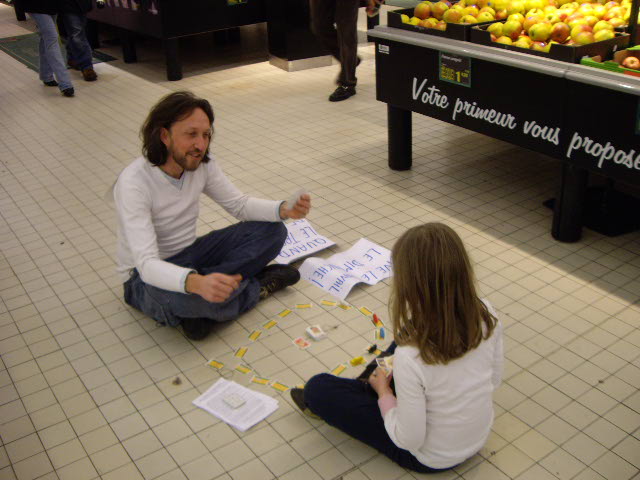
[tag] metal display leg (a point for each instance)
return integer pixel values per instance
(127, 40)
(568, 207)
(399, 128)
(172, 54)
(20, 15)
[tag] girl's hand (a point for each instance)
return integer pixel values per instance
(380, 382)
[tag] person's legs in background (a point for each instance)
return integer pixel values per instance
(79, 51)
(51, 61)
(341, 42)
(347, 30)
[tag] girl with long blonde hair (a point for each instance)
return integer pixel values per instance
(447, 363)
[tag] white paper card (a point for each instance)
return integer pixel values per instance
(364, 262)
(257, 406)
(302, 240)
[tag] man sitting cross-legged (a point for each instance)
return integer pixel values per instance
(168, 273)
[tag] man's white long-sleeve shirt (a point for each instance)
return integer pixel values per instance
(157, 219)
(444, 413)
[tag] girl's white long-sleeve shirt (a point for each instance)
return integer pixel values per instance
(443, 413)
(157, 219)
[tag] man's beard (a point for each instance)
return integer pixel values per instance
(188, 162)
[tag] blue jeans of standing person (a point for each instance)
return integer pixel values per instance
(352, 406)
(79, 51)
(244, 248)
(52, 64)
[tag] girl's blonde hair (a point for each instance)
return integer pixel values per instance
(434, 304)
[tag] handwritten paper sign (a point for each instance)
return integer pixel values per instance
(302, 240)
(364, 262)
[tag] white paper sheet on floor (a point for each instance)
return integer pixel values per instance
(364, 262)
(256, 408)
(302, 240)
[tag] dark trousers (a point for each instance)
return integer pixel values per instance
(335, 23)
(352, 406)
(244, 248)
(78, 48)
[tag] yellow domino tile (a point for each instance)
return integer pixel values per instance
(345, 306)
(243, 369)
(260, 381)
(255, 335)
(279, 386)
(365, 311)
(328, 303)
(284, 313)
(355, 361)
(215, 364)
(241, 352)
(269, 324)
(303, 305)
(339, 369)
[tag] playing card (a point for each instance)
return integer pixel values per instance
(302, 343)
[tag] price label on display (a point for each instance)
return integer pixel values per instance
(455, 69)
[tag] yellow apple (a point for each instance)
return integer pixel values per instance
(422, 10)
(504, 40)
(485, 17)
(603, 35)
(495, 29)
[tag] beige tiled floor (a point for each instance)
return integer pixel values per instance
(86, 383)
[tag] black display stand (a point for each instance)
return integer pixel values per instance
(289, 34)
(290, 37)
(576, 121)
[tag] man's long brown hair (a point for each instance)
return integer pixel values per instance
(434, 304)
(170, 109)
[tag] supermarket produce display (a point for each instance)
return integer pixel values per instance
(587, 118)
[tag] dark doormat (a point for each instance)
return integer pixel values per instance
(24, 48)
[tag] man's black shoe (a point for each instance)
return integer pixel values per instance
(51, 83)
(196, 328)
(273, 278)
(68, 92)
(297, 395)
(342, 93)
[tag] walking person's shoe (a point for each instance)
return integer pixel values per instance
(68, 92)
(342, 93)
(51, 83)
(89, 74)
(274, 278)
(195, 328)
(297, 395)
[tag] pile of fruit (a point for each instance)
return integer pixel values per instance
(535, 24)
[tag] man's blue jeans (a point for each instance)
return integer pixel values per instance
(78, 48)
(352, 406)
(51, 61)
(244, 248)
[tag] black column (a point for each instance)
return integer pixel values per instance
(399, 128)
(172, 54)
(568, 207)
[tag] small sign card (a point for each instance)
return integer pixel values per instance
(302, 241)
(364, 262)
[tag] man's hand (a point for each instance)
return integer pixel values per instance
(373, 6)
(299, 210)
(380, 382)
(215, 287)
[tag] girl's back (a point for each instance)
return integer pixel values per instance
(445, 412)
